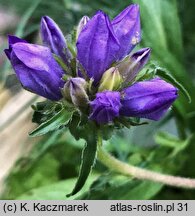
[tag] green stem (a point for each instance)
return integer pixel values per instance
(139, 173)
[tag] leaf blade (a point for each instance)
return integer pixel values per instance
(61, 118)
(88, 160)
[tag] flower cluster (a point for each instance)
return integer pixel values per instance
(100, 79)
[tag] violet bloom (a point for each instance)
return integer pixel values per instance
(11, 41)
(131, 66)
(102, 42)
(104, 57)
(53, 37)
(148, 99)
(36, 68)
(105, 107)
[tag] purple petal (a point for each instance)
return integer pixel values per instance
(97, 46)
(148, 99)
(130, 66)
(84, 20)
(37, 70)
(127, 29)
(53, 37)
(12, 40)
(105, 107)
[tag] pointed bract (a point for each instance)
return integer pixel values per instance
(148, 99)
(97, 46)
(127, 29)
(37, 70)
(53, 37)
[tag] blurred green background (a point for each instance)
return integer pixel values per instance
(46, 168)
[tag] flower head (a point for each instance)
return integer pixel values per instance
(95, 77)
(94, 83)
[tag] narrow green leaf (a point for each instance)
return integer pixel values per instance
(166, 75)
(74, 126)
(54, 123)
(88, 160)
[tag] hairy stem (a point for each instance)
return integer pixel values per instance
(139, 173)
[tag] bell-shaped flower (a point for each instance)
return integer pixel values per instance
(36, 68)
(74, 91)
(97, 46)
(126, 28)
(130, 66)
(53, 37)
(148, 99)
(103, 59)
(102, 42)
(105, 107)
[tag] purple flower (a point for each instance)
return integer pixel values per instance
(53, 37)
(105, 107)
(102, 42)
(148, 99)
(36, 68)
(11, 41)
(97, 46)
(126, 27)
(130, 66)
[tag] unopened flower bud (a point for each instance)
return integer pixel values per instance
(35, 68)
(53, 38)
(74, 91)
(148, 99)
(130, 67)
(105, 107)
(84, 20)
(111, 80)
